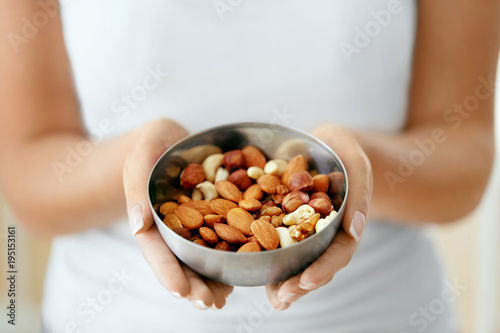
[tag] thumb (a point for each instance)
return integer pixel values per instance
(152, 142)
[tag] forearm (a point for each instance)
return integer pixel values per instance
(432, 174)
(54, 191)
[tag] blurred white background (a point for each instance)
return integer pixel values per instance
(470, 249)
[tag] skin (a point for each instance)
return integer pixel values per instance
(457, 41)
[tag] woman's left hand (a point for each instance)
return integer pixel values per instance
(345, 242)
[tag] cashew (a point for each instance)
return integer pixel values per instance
(301, 213)
(322, 223)
(211, 164)
(275, 167)
(221, 174)
(285, 239)
(255, 172)
(208, 190)
(199, 153)
(196, 195)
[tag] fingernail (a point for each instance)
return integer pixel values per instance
(357, 225)
(309, 286)
(287, 298)
(215, 308)
(176, 295)
(135, 219)
(200, 305)
(282, 306)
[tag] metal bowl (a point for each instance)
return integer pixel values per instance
(245, 269)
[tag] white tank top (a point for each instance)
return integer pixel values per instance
(204, 63)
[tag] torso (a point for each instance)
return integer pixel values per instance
(271, 61)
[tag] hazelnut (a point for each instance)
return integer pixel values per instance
(294, 200)
(321, 183)
(323, 195)
(240, 179)
(337, 183)
(321, 206)
(192, 175)
(301, 181)
(234, 160)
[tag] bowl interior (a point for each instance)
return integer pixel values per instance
(275, 142)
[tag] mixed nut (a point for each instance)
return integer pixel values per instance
(240, 201)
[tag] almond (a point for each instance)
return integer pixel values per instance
(249, 247)
(202, 206)
(254, 157)
(241, 220)
(250, 204)
(222, 206)
(200, 242)
(210, 220)
(184, 233)
(301, 181)
(228, 190)
(321, 183)
(269, 183)
(266, 234)
(209, 235)
(189, 217)
(241, 179)
(192, 175)
(172, 221)
(233, 160)
(254, 191)
(224, 246)
(229, 234)
(297, 163)
(183, 199)
(168, 207)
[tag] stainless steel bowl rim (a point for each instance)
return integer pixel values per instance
(235, 126)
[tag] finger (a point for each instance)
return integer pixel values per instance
(359, 174)
(227, 290)
(200, 295)
(218, 294)
(271, 291)
(151, 143)
(290, 290)
(336, 256)
(163, 262)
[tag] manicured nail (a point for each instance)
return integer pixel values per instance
(176, 295)
(283, 306)
(286, 298)
(310, 286)
(135, 219)
(200, 305)
(357, 225)
(215, 308)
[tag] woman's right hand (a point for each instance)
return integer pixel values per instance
(149, 142)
